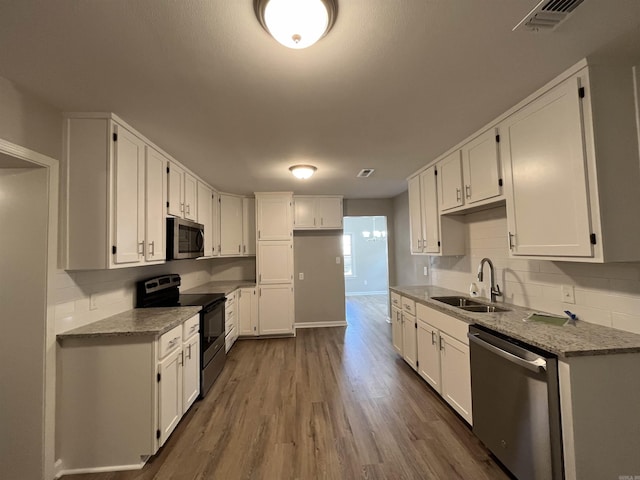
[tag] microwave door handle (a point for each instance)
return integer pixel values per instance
(200, 239)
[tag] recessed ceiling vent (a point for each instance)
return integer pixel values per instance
(547, 15)
(365, 172)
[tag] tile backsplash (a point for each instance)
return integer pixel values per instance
(82, 297)
(606, 294)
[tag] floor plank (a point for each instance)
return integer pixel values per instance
(332, 403)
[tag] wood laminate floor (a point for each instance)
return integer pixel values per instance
(332, 403)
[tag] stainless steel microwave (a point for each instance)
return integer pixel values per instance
(185, 239)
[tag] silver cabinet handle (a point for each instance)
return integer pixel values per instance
(441, 344)
(433, 338)
(152, 248)
(244, 249)
(467, 191)
(141, 247)
(419, 244)
(239, 250)
(458, 195)
(182, 207)
(511, 242)
(188, 209)
(189, 349)
(181, 360)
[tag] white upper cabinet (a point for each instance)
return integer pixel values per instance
(274, 213)
(416, 232)
(431, 233)
(248, 226)
(205, 217)
(183, 193)
(571, 168)
(450, 181)
(155, 205)
(114, 195)
(481, 167)
(317, 212)
(128, 197)
(230, 225)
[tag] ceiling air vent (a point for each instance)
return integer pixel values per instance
(365, 172)
(547, 15)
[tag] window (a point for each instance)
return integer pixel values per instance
(347, 254)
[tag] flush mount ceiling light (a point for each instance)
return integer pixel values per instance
(302, 171)
(296, 23)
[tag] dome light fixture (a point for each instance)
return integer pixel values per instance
(302, 171)
(296, 23)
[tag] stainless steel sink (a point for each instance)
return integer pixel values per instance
(457, 301)
(468, 305)
(483, 309)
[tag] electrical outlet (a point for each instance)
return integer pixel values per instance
(301, 276)
(337, 260)
(568, 294)
(92, 301)
(426, 272)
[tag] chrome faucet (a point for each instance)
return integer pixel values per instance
(495, 289)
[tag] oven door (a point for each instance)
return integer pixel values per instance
(211, 331)
(185, 239)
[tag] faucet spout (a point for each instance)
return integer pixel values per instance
(495, 289)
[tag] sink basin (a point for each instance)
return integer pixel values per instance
(468, 305)
(457, 301)
(483, 309)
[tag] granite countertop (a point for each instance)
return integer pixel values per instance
(581, 339)
(222, 286)
(139, 321)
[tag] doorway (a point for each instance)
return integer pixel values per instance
(366, 263)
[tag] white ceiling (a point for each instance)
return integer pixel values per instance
(393, 85)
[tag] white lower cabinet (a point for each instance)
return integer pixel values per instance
(276, 309)
(122, 396)
(231, 319)
(409, 345)
(443, 357)
(396, 330)
(248, 311)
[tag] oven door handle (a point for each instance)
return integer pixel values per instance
(537, 365)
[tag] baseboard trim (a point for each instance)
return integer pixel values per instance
(358, 294)
(115, 468)
(321, 324)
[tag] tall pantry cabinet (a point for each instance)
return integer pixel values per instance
(274, 221)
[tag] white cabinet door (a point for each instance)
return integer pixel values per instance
(205, 216)
(215, 222)
(396, 330)
(176, 191)
(275, 216)
(190, 197)
(248, 226)
(128, 197)
(547, 199)
(450, 181)
(275, 262)
(190, 372)
(156, 205)
(456, 375)
(329, 212)
(409, 339)
(429, 354)
(230, 225)
(169, 394)
(416, 232)
(276, 309)
(481, 167)
(304, 212)
(248, 311)
(430, 215)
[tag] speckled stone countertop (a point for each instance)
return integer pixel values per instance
(221, 286)
(581, 339)
(139, 321)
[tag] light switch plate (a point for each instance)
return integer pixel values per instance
(426, 272)
(568, 294)
(301, 276)
(337, 260)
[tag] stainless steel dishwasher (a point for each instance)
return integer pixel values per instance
(516, 404)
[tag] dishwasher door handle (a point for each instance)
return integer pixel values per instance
(537, 365)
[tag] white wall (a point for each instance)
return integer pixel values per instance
(606, 294)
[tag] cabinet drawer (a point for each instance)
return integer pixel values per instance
(396, 300)
(191, 327)
(408, 306)
(455, 328)
(169, 342)
(231, 299)
(229, 323)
